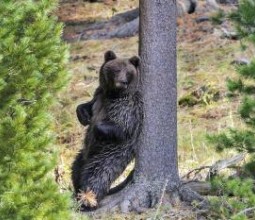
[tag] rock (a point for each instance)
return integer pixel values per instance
(227, 2)
(78, 57)
(212, 4)
(240, 61)
(186, 6)
(229, 34)
(202, 19)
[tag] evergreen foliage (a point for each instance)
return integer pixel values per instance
(32, 71)
(243, 140)
(237, 200)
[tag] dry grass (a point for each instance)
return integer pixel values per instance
(203, 63)
(203, 59)
(84, 11)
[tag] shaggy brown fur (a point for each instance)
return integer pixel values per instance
(114, 128)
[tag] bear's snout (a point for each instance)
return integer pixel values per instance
(122, 84)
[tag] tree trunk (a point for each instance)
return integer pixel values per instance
(157, 155)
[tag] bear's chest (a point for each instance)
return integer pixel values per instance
(120, 111)
(120, 108)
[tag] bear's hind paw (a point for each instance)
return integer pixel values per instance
(88, 198)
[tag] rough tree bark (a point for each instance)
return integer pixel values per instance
(156, 170)
(157, 156)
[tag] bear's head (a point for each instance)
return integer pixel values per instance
(119, 75)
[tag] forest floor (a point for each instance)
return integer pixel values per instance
(204, 64)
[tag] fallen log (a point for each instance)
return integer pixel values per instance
(202, 188)
(119, 26)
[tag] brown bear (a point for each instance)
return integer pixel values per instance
(115, 117)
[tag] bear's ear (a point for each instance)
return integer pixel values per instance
(109, 55)
(135, 60)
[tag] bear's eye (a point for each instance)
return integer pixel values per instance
(112, 72)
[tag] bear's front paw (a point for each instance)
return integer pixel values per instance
(108, 131)
(83, 116)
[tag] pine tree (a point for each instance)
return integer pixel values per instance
(243, 140)
(32, 71)
(244, 86)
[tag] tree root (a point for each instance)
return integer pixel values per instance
(190, 196)
(138, 197)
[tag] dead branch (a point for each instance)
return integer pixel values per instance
(203, 187)
(222, 164)
(215, 168)
(196, 171)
